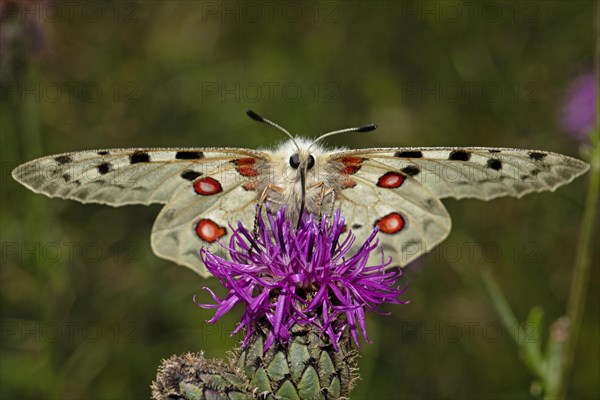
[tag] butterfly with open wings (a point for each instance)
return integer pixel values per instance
(207, 190)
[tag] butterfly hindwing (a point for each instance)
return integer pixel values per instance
(200, 216)
(410, 218)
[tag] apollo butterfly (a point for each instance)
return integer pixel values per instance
(398, 190)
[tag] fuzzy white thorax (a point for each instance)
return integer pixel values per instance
(285, 182)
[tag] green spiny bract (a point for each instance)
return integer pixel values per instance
(305, 368)
(194, 377)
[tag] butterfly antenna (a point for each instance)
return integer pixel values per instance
(360, 129)
(258, 118)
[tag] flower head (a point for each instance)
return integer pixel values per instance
(287, 275)
(22, 35)
(21, 25)
(579, 110)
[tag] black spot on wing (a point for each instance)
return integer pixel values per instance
(82, 194)
(63, 159)
(494, 163)
(429, 204)
(356, 226)
(534, 172)
(139, 157)
(535, 155)
(494, 151)
(189, 155)
(52, 187)
(169, 215)
(409, 154)
(426, 224)
(459, 155)
(66, 177)
(104, 168)
(103, 153)
(563, 173)
(411, 170)
(174, 236)
(190, 175)
(411, 245)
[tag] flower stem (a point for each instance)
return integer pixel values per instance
(581, 274)
(530, 350)
(583, 258)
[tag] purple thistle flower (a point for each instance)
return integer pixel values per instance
(579, 110)
(22, 25)
(287, 276)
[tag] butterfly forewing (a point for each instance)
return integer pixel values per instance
(474, 172)
(125, 176)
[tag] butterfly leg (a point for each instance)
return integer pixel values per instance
(261, 201)
(321, 187)
(332, 205)
(324, 191)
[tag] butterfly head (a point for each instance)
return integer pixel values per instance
(302, 161)
(298, 158)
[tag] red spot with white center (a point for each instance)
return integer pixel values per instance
(348, 183)
(245, 166)
(391, 223)
(207, 186)
(249, 185)
(391, 180)
(351, 165)
(209, 231)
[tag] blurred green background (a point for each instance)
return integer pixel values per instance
(89, 312)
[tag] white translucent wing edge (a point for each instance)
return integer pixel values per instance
(48, 176)
(554, 170)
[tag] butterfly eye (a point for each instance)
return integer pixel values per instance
(295, 161)
(311, 162)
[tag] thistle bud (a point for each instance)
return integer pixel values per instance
(306, 367)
